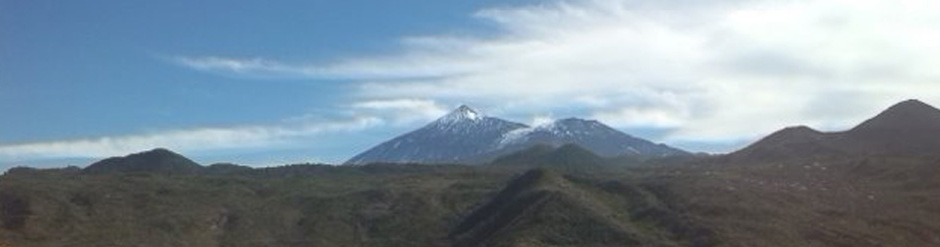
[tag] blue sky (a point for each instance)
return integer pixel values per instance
(75, 70)
(265, 83)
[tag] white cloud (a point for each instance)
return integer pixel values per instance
(712, 70)
(253, 67)
(376, 68)
(706, 70)
(291, 133)
(402, 111)
(540, 120)
(203, 139)
(641, 117)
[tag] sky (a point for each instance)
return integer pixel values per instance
(269, 83)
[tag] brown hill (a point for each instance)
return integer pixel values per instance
(909, 128)
(789, 142)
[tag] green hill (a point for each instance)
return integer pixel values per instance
(543, 208)
(154, 161)
(569, 158)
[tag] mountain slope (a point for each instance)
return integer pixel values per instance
(462, 136)
(798, 141)
(329, 206)
(157, 160)
(544, 208)
(908, 128)
(589, 134)
(569, 157)
(465, 136)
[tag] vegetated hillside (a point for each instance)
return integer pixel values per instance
(909, 128)
(317, 205)
(835, 201)
(567, 158)
(865, 201)
(873, 185)
(543, 208)
(300, 205)
(158, 160)
(803, 196)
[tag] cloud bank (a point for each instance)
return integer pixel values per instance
(702, 70)
(717, 70)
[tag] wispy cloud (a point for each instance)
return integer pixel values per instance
(259, 68)
(254, 67)
(402, 111)
(194, 140)
(704, 70)
(405, 67)
(291, 133)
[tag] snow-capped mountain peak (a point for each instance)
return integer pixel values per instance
(462, 113)
(466, 136)
(461, 136)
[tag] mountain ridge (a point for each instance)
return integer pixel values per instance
(907, 128)
(476, 131)
(466, 136)
(590, 134)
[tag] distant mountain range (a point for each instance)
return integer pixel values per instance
(909, 128)
(466, 136)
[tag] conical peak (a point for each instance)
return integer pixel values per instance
(801, 129)
(464, 108)
(155, 153)
(909, 114)
(791, 134)
(159, 151)
(463, 112)
(911, 105)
